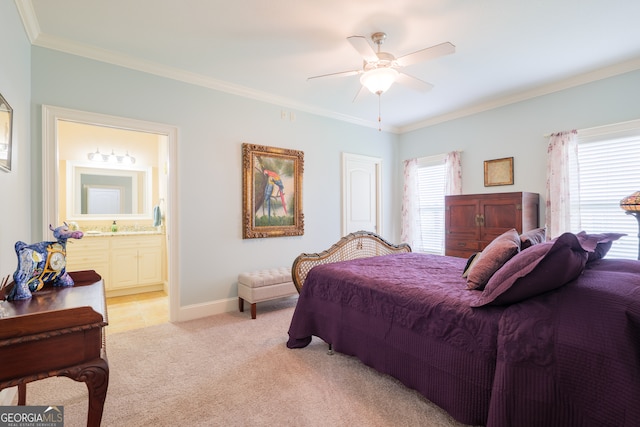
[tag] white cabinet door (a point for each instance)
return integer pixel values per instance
(124, 268)
(361, 193)
(149, 266)
(136, 261)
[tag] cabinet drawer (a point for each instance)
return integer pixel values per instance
(126, 242)
(465, 245)
(88, 244)
(88, 258)
(459, 253)
(91, 251)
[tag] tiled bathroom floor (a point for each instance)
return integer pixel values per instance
(137, 311)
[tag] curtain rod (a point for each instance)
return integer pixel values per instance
(572, 131)
(630, 123)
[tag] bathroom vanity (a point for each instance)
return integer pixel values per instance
(129, 262)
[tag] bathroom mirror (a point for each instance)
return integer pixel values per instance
(104, 191)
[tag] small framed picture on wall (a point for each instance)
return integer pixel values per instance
(498, 172)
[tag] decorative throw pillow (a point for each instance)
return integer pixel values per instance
(532, 237)
(499, 251)
(597, 245)
(470, 262)
(538, 269)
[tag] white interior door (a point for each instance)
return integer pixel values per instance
(360, 193)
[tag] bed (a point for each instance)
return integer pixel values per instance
(551, 339)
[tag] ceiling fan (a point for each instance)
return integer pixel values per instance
(381, 69)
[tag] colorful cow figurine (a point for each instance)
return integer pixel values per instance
(42, 263)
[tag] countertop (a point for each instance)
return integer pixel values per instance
(120, 233)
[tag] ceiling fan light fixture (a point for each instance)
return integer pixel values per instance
(378, 80)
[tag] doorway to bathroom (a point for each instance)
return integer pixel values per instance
(135, 253)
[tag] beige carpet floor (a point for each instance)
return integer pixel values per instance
(229, 370)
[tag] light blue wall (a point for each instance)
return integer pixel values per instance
(518, 130)
(212, 126)
(15, 187)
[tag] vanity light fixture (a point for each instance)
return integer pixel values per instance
(97, 156)
(127, 159)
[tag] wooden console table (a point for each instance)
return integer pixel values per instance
(58, 332)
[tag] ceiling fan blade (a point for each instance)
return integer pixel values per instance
(339, 74)
(362, 45)
(360, 93)
(413, 82)
(426, 54)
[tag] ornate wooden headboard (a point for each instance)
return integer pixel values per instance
(361, 244)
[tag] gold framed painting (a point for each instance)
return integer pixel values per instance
(6, 124)
(498, 172)
(271, 191)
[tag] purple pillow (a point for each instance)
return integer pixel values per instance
(597, 245)
(532, 237)
(538, 269)
(487, 262)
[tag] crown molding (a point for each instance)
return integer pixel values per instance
(29, 20)
(578, 80)
(102, 55)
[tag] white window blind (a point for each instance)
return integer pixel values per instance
(609, 172)
(431, 188)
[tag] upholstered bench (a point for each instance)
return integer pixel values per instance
(264, 285)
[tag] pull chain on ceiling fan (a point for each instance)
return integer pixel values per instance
(380, 69)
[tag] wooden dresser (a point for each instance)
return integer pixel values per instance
(472, 221)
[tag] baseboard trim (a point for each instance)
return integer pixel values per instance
(196, 311)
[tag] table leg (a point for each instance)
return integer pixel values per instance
(22, 394)
(96, 375)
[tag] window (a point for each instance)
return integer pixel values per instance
(426, 182)
(431, 191)
(608, 159)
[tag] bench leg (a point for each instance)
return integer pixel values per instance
(240, 304)
(253, 310)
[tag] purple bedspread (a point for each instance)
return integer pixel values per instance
(567, 357)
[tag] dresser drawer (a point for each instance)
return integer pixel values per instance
(464, 245)
(459, 253)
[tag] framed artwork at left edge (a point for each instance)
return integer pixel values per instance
(271, 192)
(6, 130)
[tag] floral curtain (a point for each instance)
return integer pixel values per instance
(563, 188)
(453, 174)
(411, 221)
(410, 232)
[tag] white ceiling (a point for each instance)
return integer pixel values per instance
(266, 49)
